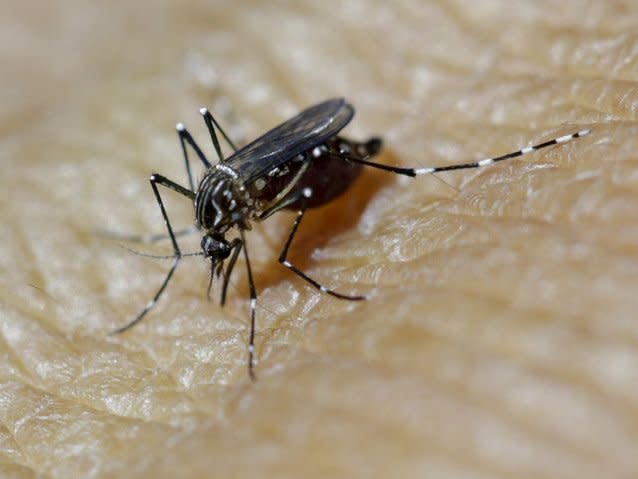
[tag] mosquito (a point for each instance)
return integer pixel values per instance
(301, 164)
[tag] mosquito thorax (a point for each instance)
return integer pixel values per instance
(222, 201)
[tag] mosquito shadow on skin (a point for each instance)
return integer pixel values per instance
(320, 227)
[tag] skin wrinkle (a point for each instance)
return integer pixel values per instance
(25, 376)
(447, 393)
(531, 362)
(521, 312)
(70, 390)
(379, 422)
(484, 403)
(503, 220)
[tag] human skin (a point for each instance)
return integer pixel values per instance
(499, 337)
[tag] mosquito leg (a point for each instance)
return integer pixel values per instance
(236, 246)
(184, 138)
(211, 123)
(306, 193)
(161, 180)
(464, 166)
(253, 306)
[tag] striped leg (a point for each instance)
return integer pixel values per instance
(474, 164)
(307, 193)
(253, 307)
(186, 138)
(177, 254)
(211, 123)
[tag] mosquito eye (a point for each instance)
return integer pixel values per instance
(215, 248)
(373, 145)
(209, 245)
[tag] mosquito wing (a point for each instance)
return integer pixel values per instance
(303, 132)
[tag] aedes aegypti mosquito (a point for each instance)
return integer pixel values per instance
(302, 163)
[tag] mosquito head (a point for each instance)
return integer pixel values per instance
(215, 247)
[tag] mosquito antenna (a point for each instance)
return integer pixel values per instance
(155, 256)
(144, 238)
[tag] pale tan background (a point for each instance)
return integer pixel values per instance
(500, 339)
